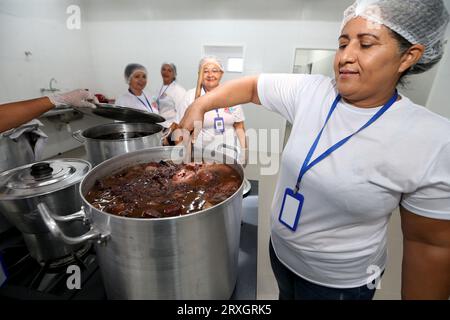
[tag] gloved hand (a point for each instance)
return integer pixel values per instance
(76, 98)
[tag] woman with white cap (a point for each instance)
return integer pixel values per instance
(356, 152)
(136, 78)
(170, 95)
(222, 124)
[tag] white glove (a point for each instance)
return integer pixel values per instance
(76, 98)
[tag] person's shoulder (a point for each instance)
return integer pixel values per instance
(125, 94)
(425, 114)
(425, 121)
(189, 93)
(123, 97)
(297, 76)
(179, 87)
(300, 80)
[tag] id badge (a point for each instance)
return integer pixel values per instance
(291, 209)
(219, 125)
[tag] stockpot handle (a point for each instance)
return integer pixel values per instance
(50, 221)
(78, 136)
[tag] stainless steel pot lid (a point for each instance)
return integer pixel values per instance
(41, 178)
(115, 112)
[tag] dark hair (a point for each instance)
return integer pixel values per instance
(404, 45)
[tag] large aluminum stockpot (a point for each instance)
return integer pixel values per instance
(194, 256)
(55, 183)
(109, 140)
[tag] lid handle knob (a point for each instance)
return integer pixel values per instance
(41, 169)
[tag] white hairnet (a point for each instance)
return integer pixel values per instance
(211, 59)
(132, 68)
(418, 21)
(172, 66)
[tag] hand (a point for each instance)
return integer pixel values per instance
(193, 119)
(76, 98)
(168, 138)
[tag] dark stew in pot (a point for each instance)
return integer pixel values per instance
(164, 189)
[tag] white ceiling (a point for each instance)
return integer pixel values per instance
(119, 10)
(323, 10)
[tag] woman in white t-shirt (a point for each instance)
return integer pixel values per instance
(357, 151)
(170, 94)
(136, 77)
(220, 125)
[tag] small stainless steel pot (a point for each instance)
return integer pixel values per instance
(54, 183)
(99, 149)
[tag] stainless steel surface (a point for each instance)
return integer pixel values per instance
(115, 112)
(51, 221)
(45, 247)
(99, 150)
(194, 256)
(31, 180)
(19, 197)
(13, 153)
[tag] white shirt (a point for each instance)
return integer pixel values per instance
(402, 158)
(142, 102)
(169, 98)
(209, 137)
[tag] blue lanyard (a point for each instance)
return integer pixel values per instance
(148, 105)
(218, 115)
(160, 94)
(306, 165)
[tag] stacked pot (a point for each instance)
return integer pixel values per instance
(54, 183)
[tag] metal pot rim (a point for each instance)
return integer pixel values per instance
(125, 139)
(185, 216)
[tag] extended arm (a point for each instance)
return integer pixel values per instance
(232, 93)
(426, 257)
(14, 114)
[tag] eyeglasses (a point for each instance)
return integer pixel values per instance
(213, 71)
